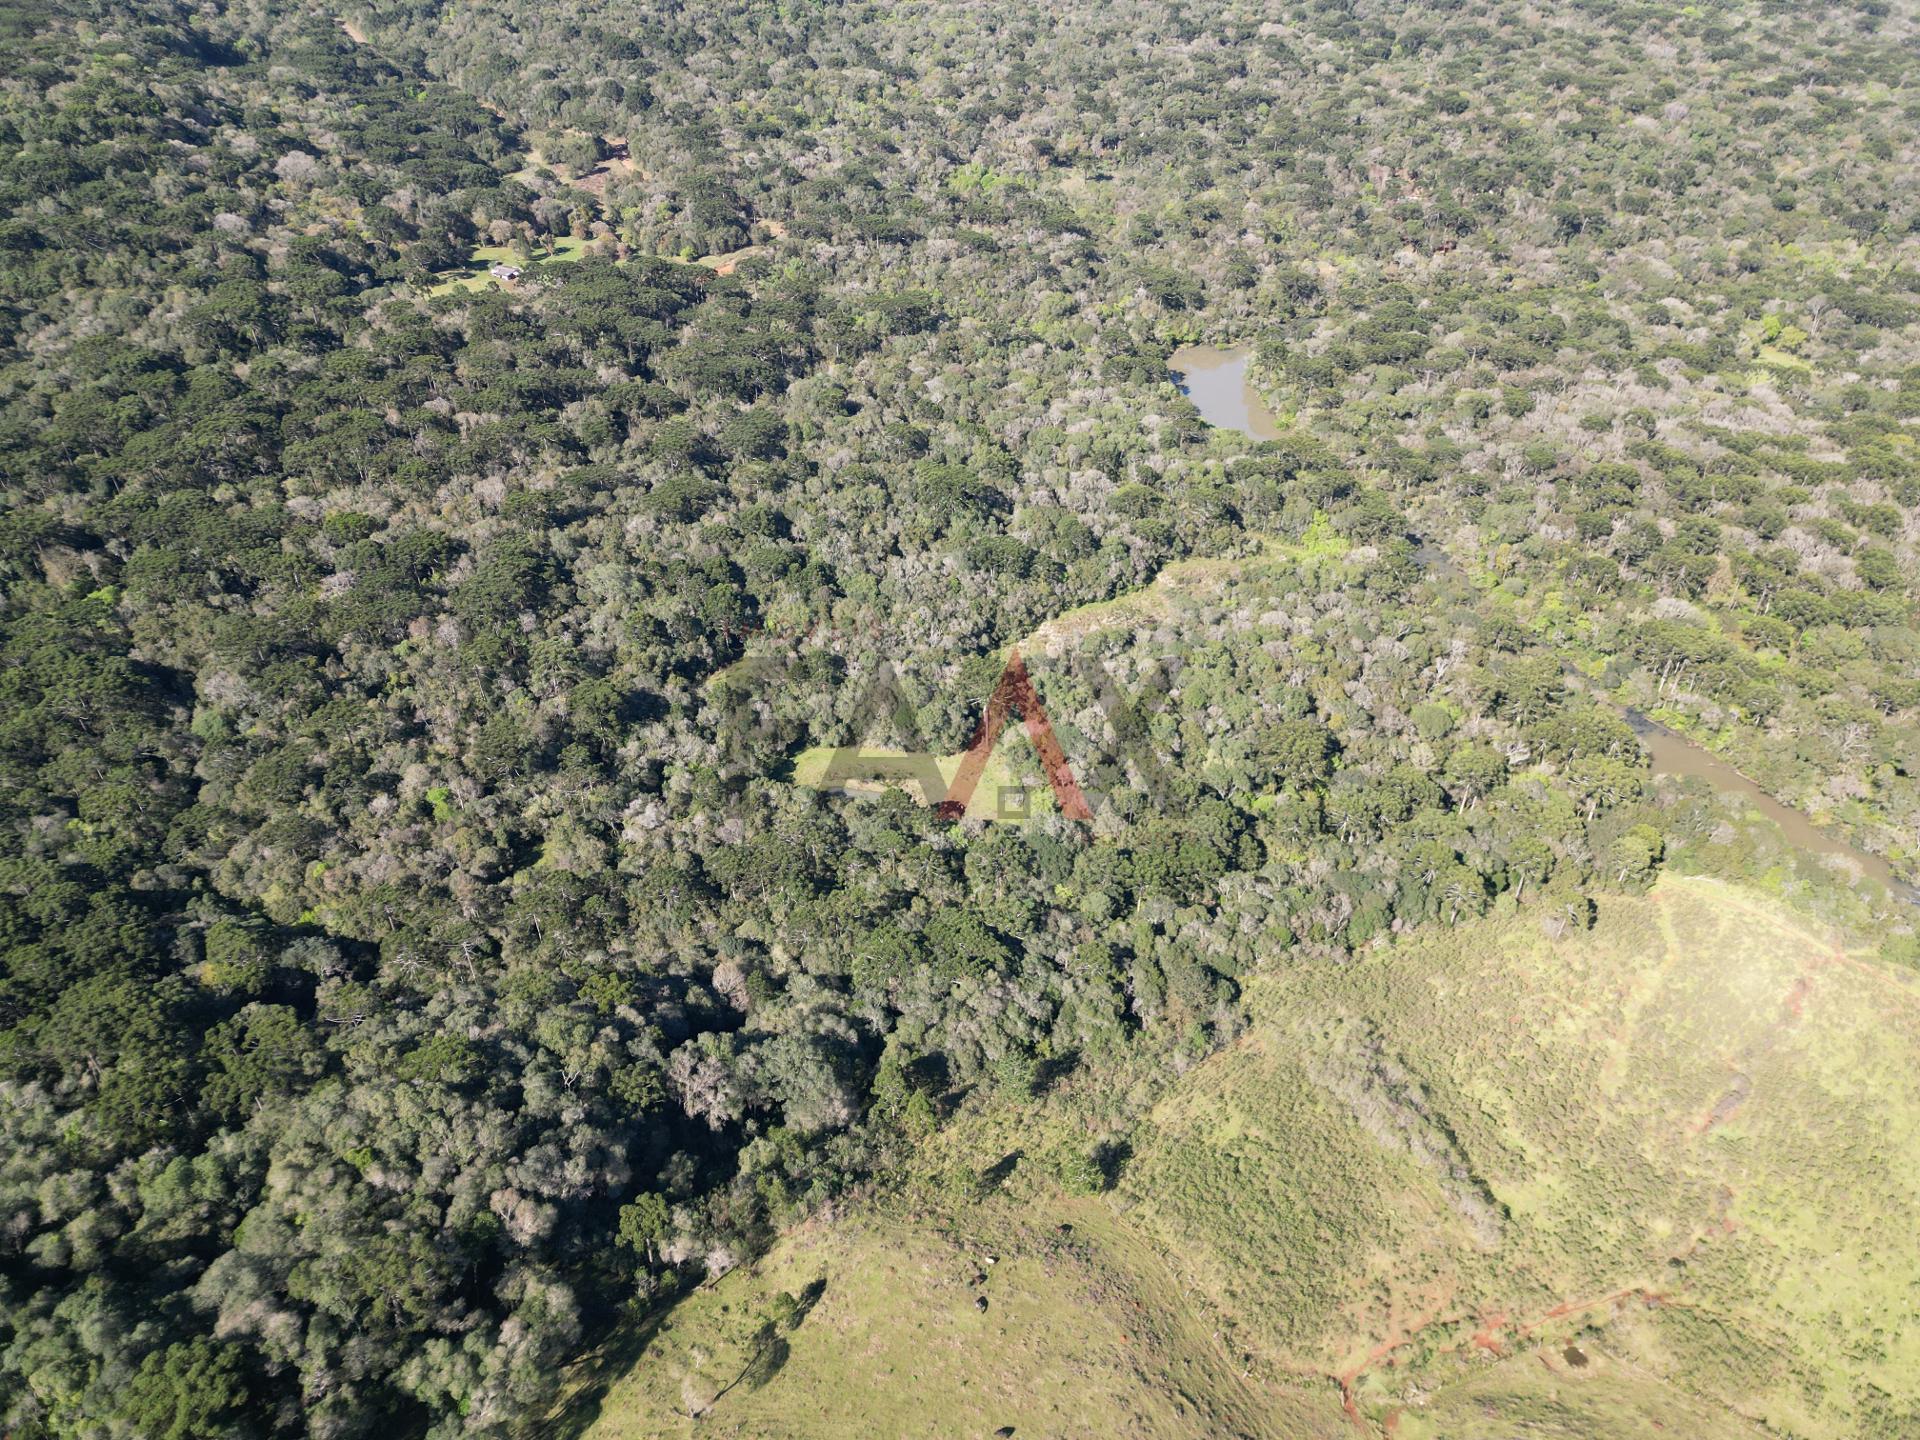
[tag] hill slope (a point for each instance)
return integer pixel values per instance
(1689, 1135)
(1660, 1173)
(1084, 1333)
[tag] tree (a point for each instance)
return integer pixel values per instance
(191, 1390)
(263, 1051)
(1634, 856)
(1294, 753)
(645, 1224)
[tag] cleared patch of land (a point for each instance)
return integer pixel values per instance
(566, 249)
(1083, 1333)
(1663, 1177)
(1181, 586)
(1011, 787)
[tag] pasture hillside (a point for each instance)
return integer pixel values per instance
(1660, 1173)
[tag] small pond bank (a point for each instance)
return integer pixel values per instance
(1215, 380)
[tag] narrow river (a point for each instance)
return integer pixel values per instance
(1215, 380)
(1674, 754)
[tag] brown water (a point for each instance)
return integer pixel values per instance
(1216, 381)
(1674, 754)
(1575, 1356)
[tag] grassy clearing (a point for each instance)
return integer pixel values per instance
(1685, 1144)
(566, 250)
(1083, 1335)
(1772, 357)
(1011, 787)
(569, 248)
(1183, 585)
(1697, 1127)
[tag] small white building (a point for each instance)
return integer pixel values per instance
(501, 270)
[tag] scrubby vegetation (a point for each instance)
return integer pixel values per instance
(1690, 1122)
(1083, 1332)
(423, 951)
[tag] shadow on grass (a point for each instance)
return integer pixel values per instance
(626, 1346)
(809, 1298)
(595, 1373)
(998, 1173)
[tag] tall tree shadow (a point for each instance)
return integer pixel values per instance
(997, 1174)
(625, 1343)
(626, 1346)
(768, 1350)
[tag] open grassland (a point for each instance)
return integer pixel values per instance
(1083, 1334)
(1545, 1395)
(1689, 1137)
(1658, 1178)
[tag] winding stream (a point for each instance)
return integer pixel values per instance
(1674, 754)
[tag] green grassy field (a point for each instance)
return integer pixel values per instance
(566, 249)
(1700, 1119)
(1477, 1185)
(1084, 1334)
(1011, 787)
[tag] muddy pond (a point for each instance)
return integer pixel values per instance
(1216, 382)
(1676, 755)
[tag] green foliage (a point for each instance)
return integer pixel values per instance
(405, 894)
(645, 1224)
(191, 1390)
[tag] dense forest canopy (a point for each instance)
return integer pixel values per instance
(417, 949)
